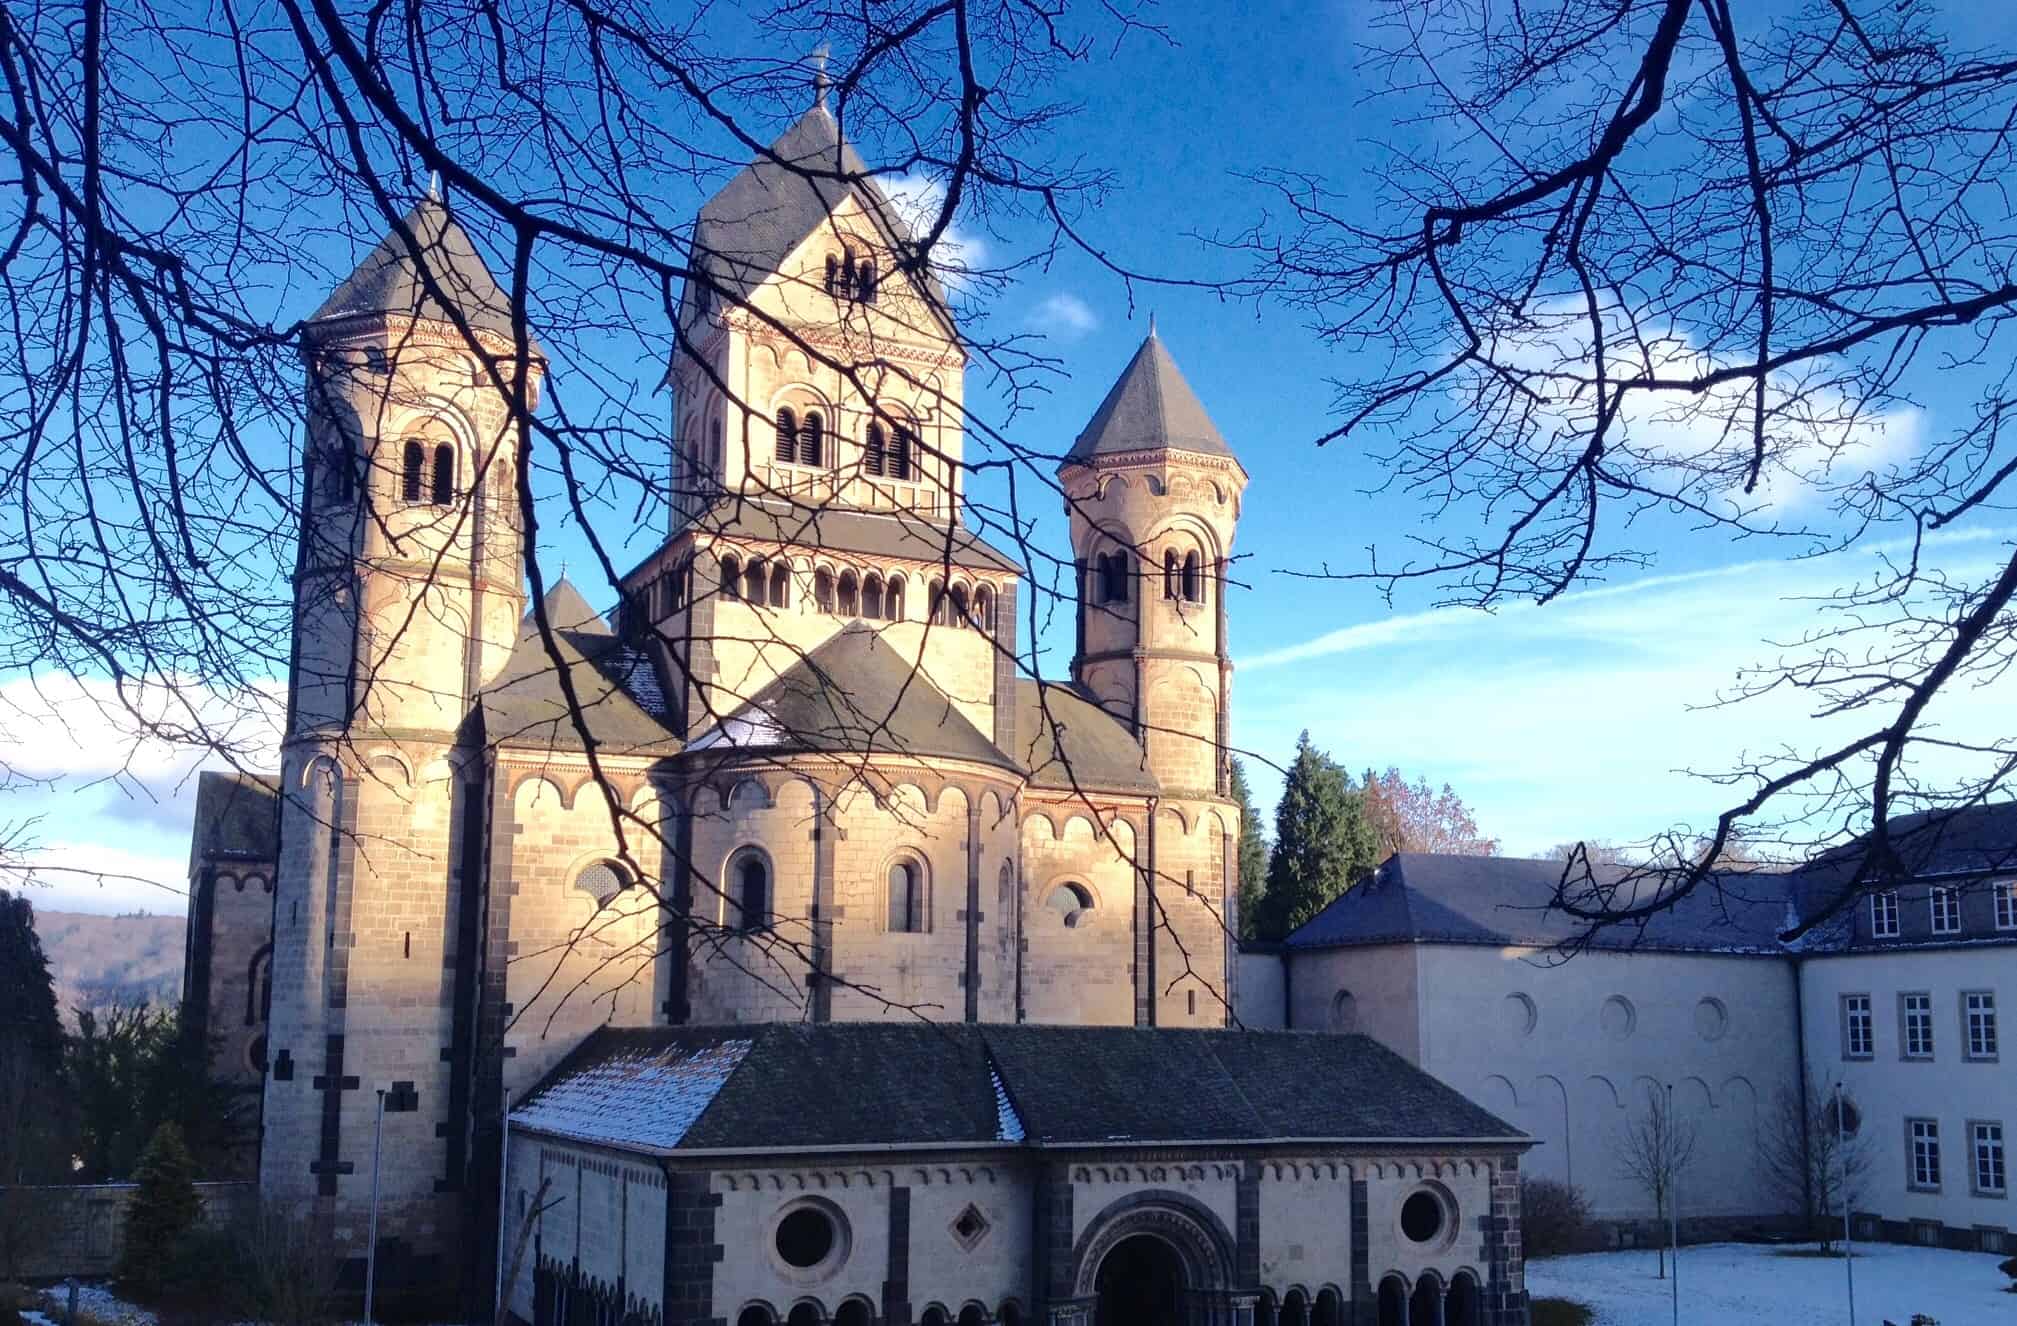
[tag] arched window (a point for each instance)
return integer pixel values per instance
(854, 1312)
(413, 461)
(444, 474)
(1071, 902)
(1113, 569)
(805, 1314)
(1295, 1309)
(681, 579)
(754, 1315)
(871, 596)
(847, 273)
(902, 447)
(717, 451)
(832, 272)
(1327, 1311)
(961, 616)
(1008, 1314)
(780, 585)
(602, 880)
(749, 880)
(938, 603)
(874, 450)
(983, 609)
(973, 1314)
(1194, 580)
(822, 591)
(1170, 573)
(787, 436)
(731, 578)
(864, 282)
(339, 481)
(892, 600)
(906, 898)
(755, 582)
(850, 595)
(812, 439)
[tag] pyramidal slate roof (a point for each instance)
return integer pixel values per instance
(567, 610)
(237, 817)
(745, 232)
(1149, 407)
(389, 282)
(1067, 741)
(857, 696)
(782, 1086)
(618, 691)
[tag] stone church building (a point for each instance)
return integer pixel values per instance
(776, 949)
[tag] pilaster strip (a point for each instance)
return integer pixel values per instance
(896, 1286)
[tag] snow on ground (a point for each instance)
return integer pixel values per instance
(1741, 1282)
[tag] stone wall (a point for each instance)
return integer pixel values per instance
(47, 1233)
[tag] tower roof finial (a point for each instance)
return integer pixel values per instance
(1152, 322)
(433, 186)
(819, 79)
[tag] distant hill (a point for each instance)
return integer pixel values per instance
(112, 959)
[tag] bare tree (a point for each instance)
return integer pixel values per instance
(1654, 1151)
(1415, 817)
(1684, 267)
(1814, 1159)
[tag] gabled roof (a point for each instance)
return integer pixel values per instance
(1426, 897)
(856, 696)
(388, 283)
(1149, 407)
(619, 692)
(237, 818)
(1069, 743)
(838, 1085)
(900, 534)
(567, 610)
(746, 231)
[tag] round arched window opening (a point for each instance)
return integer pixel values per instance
(602, 880)
(805, 1237)
(1422, 1217)
(1072, 903)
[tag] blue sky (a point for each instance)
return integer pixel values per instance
(1578, 719)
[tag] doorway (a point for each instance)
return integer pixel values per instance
(1141, 1283)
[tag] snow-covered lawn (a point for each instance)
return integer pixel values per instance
(1740, 1282)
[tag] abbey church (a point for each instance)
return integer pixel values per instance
(775, 948)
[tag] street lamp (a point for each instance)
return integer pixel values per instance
(399, 1098)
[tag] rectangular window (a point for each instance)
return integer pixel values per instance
(1924, 1138)
(1884, 915)
(1946, 911)
(1915, 1015)
(1858, 1029)
(1985, 1142)
(2006, 905)
(1978, 1013)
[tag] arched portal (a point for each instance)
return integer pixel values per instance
(1393, 1302)
(1426, 1308)
(1141, 1282)
(1460, 1305)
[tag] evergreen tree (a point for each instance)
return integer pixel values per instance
(1253, 853)
(164, 1209)
(1324, 842)
(31, 1049)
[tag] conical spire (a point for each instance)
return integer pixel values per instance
(1150, 407)
(388, 282)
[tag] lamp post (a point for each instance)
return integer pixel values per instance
(1842, 1131)
(400, 1098)
(1673, 1208)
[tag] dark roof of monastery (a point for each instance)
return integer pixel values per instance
(1150, 406)
(389, 281)
(1968, 840)
(1427, 897)
(237, 817)
(782, 1086)
(618, 690)
(746, 231)
(1067, 741)
(839, 529)
(853, 695)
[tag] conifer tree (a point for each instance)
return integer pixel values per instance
(164, 1209)
(1323, 842)
(1253, 853)
(31, 1047)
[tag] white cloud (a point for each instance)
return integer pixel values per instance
(54, 725)
(96, 877)
(1064, 316)
(919, 200)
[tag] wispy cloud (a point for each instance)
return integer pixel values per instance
(920, 200)
(1064, 316)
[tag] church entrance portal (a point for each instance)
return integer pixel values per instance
(1141, 1283)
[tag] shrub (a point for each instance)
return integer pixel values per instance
(164, 1210)
(1554, 1219)
(2009, 1267)
(1560, 1312)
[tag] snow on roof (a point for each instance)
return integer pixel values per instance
(602, 1102)
(1008, 1124)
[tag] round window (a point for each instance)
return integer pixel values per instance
(805, 1237)
(1422, 1217)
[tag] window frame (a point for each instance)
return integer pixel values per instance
(1994, 1037)
(1869, 1025)
(1977, 1153)
(736, 896)
(1908, 1020)
(1944, 903)
(413, 472)
(1889, 928)
(2004, 892)
(917, 902)
(1913, 1182)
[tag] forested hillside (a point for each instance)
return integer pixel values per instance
(100, 960)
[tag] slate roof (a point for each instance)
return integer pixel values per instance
(1970, 840)
(833, 1086)
(1150, 406)
(237, 817)
(619, 692)
(843, 530)
(388, 281)
(853, 695)
(1067, 741)
(1496, 900)
(745, 232)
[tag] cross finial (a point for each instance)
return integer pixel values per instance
(1152, 322)
(434, 186)
(819, 80)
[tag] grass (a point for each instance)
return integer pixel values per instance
(1560, 1312)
